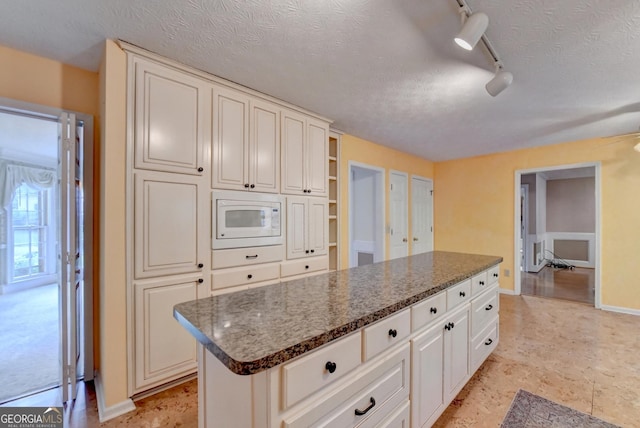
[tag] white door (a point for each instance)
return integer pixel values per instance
(421, 215)
(70, 254)
(398, 215)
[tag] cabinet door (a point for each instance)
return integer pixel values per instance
(426, 382)
(293, 158)
(317, 155)
(297, 218)
(165, 224)
(456, 353)
(164, 350)
(171, 119)
(318, 239)
(230, 140)
(264, 147)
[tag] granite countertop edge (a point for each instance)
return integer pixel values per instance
(309, 344)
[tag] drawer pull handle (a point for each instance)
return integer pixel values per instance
(449, 326)
(462, 294)
(495, 275)
(330, 366)
(393, 332)
(200, 169)
(306, 266)
(434, 310)
(364, 412)
(488, 308)
(200, 265)
(246, 185)
(249, 276)
(481, 282)
(251, 257)
(488, 342)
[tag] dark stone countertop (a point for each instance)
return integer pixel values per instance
(253, 330)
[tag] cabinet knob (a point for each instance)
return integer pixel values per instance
(495, 275)
(304, 190)
(200, 169)
(330, 366)
(200, 265)
(434, 310)
(481, 282)
(200, 280)
(249, 276)
(306, 266)
(252, 186)
(462, 294)
(308, 190)
(307, 251)
(447, 326)
(312, 251)
(246, 185)
(393, 332)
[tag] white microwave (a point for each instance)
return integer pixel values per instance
(246, 219)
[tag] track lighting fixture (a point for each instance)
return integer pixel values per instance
(473, 29)
(500, 81)
(475, 24)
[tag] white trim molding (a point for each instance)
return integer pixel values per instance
(620, 310)
(106, 413)
(507, 291)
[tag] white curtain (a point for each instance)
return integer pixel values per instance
(13, 176)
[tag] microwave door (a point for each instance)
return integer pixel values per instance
(243, 221)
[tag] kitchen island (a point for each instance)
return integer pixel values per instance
(336, 349)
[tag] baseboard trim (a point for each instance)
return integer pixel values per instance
(620, 310)
(105, 413)
(507, 291)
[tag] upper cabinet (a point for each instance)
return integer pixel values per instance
(246, 143)
(171, 129)
(305, 150)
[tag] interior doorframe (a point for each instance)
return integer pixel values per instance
(525, 224)
(429, 180)
(36, 110)
(517, 277)
(380, 207)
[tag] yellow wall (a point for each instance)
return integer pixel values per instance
(359, 150)
(113, 300)
(39, 80)
(474, 208)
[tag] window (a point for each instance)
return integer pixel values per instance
(29, 224)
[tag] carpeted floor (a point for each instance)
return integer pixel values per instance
(532, 411)
(29, 341)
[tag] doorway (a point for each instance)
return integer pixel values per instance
(45, 299)
(366, 214)
(557, 232)
(421, 215)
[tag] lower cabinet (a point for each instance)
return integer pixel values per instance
(164, 350)
(440, 366)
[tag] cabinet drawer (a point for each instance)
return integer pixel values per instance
(458, 294)
(308, 374)
(386, 333)
(484, 344)
(386, 384)
(299, 267)
(426, 311)
(223, 278)
(483, 309)
(493, 274)
(245, 256)
(398, 419)
(479, 283)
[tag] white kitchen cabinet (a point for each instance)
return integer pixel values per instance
(163, 349)
(168, 225)
(246, 142)
(456, 352)
(307, 227)
(427, 380)
(171, 120)
(305, 151)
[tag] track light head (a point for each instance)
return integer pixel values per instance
(472, 30)
(499, 83)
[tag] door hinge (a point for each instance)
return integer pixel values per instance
(432, 228)
(392, 187)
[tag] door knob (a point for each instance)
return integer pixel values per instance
(404, 239)
(415, 239)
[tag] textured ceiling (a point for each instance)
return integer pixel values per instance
(386, 71)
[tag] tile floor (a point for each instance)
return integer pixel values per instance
(567, 352)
